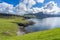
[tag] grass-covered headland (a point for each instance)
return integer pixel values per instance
(9, 27)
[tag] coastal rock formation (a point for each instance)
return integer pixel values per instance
(21, 28)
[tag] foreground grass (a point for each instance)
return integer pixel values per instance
(8, 28)
(8, 31)
(45, 35)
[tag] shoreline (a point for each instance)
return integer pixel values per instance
(21, 27)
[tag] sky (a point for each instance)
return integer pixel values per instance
(13, 2)
(30, 6)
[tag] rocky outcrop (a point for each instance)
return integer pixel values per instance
(25, 24)
(21, 27)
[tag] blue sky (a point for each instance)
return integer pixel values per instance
(15, 2)
(33, 6)
(46, 1)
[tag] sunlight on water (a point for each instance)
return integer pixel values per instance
(44, 24)
(52, 22)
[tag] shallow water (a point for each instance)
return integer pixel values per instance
(44, 24)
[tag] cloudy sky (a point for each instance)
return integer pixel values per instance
(30, 6)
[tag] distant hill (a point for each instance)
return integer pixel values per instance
(42, 15)
(8, 14)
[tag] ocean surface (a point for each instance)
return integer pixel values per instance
(43, 24)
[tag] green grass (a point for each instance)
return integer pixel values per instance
(8, 31)
(53, 34)
(8, 28)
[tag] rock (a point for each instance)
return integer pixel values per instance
(19, 33)
(21, 27)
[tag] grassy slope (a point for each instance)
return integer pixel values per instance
(44, 35)
(6, 25)
(8, 28)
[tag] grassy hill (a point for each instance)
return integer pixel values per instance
(8, 28)
(53, 34)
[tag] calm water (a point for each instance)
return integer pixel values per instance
(44, 24)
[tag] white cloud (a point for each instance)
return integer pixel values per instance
(21, 8)
(5, 7)
(40, 1)
(26, 7)
(36, 10)
(51, 7)
(29, 2)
